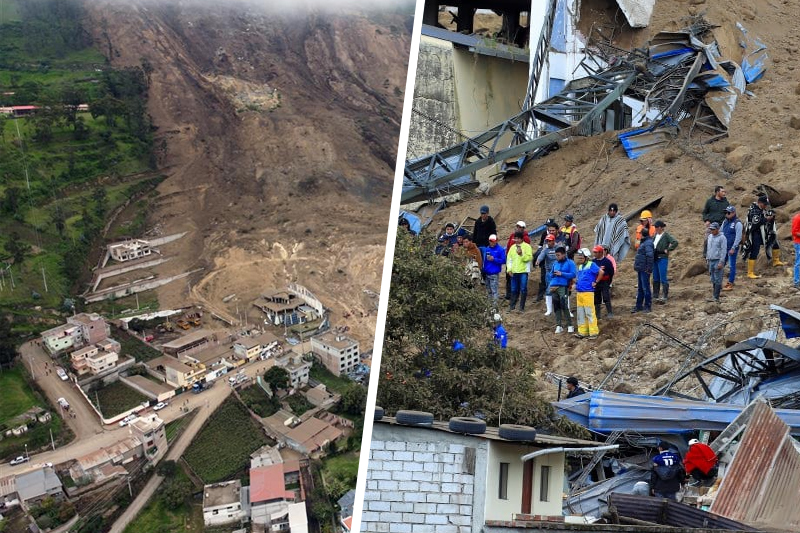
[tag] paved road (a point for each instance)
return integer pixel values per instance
(92, 436)
(212, 399)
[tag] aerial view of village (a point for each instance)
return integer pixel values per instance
(594, 309)
(191, 247)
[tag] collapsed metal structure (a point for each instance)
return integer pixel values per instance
(679, 74)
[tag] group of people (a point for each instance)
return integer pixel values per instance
(670, 471)
(567, 267)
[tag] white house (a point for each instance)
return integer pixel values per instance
(338, 353)
(222, 503)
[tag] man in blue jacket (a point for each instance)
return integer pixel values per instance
(494, 257)
(563, 271)
(667, 473)
(643, 265)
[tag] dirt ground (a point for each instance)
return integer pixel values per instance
(278, 135)
(587, 174)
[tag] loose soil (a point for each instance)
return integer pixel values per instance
(278, 134)
(587, 174)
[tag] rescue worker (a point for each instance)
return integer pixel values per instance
(667, 473)
(518, 263)
(585, 282)
(645, 225)
(700, 462)
(562, 273)
(573, 387)
(761, 229)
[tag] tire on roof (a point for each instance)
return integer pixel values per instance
(516, 432)
(378, 413)
(467, 424)
(413, 418)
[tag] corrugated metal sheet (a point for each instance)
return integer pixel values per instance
(762, 484)
(670, 513)
(637, 12)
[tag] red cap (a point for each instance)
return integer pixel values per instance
(550, 238)
(597, 248)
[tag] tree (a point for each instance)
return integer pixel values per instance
(277, 378)
(354, 399)
(11, 199)
(167, 469)
(99, 196)
(59, 220)
(174, 491)
(429, 309)
(17, 248)
(8, 350)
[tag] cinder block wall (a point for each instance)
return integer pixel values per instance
(420, 482)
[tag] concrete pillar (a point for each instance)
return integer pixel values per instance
(430, 13)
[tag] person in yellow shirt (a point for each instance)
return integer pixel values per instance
(518, 262)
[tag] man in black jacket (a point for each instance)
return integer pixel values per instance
(484, 227)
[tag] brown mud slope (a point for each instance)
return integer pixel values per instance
(278, 134)
(586, 174)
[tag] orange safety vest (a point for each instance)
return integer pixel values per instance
(639, 229)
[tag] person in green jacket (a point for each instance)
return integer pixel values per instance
(664, 244)
(518, 260)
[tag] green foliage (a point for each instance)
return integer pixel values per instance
(277, 378)
(167, 468)
(49, 513)
(354, 399)
(116, 398)
(298, 404)
(17, 396)
(133, 347)
(174, 491)
(340, 474)
(8, 351)
(257, 401)
(224, 444)
(333, 383)
(429, 308)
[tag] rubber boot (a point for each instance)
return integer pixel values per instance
(548, 301)
(751, 269)
(666, 292)
(776, 258)
(522, 299)
(513, 301)
(656, 291)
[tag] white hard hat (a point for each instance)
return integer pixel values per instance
(694, 441)
(497, 317)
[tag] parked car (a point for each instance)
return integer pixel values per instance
(19, 460)
(159, 406)
(63, 403)
(127, 420)
(62, 374)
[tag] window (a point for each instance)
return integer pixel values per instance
(502, 492)
(544, 484)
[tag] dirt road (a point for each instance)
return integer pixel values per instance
(86, 423)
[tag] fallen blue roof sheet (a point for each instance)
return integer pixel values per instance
(604, 412)
(641, 141)
(790, 321)
(754, 56)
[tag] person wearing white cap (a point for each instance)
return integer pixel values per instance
(700, 462)
(518, 264)
(494, 257)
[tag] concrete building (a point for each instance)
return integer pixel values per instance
(284, 307)
(129, 250)
(118, 454)
(31, 487)
(189, 344)
(95, 358)
(338, 353)
(298, 520)
(448, 481)
(297, 368)
(176, 373)
(79, 331)
(312, 435)
(269, 499)
(251, 348)
(150, 430)
(222, 503)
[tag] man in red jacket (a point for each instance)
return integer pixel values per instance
(700, 462)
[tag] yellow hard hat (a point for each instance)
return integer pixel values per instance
(646, 214)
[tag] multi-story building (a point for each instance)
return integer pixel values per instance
(150, 431)
(96, 358)
(338, 353)
(79, 331)
(251, 348)
(222, 503)
(297, 368)
(269, 499)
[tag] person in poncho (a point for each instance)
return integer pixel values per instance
(612, 231)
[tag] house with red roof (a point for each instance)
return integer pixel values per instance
(269, 499)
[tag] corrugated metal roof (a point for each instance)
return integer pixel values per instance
(670, 513)
(762, 484)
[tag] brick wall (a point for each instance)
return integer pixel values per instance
(421, 481)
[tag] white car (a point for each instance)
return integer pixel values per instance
(19, 460)
(127, 420)
(62, 374)
(159, 406)
(63, 403)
